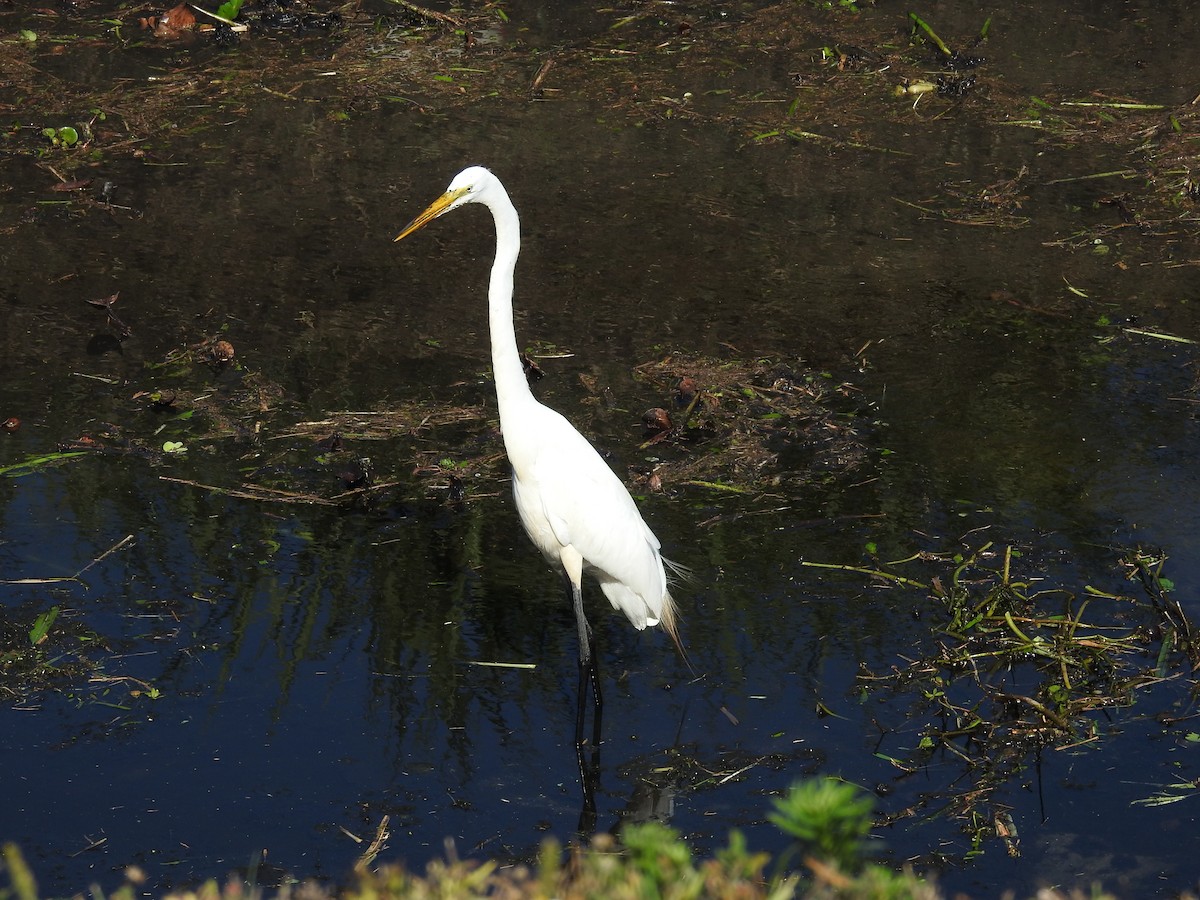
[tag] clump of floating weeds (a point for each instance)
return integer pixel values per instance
(734, 425)
(995, 205)
(42, 650)
(1015, 667)
(46, 647)
(748, 425)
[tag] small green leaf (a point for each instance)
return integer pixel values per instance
(27, 36)
(68, 135)
(33, 463)
(174, 447)
(41, 626)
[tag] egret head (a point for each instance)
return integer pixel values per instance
(468, 186)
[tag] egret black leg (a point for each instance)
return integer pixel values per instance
(596, 695)
(581, 702)
(588, 671)
(589, 776)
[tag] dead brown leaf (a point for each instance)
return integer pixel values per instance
(175, 21)
(77, 185)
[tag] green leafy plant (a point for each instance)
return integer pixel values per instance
(656, 851)
(830, 818)
(229, 9)
(65, 137)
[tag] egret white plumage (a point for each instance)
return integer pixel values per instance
(572, 505)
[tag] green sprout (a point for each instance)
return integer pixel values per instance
(65, 137)
(229, 9)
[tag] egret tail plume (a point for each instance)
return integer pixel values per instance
(669, 619)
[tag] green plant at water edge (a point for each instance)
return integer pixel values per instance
(653, 863)
(830, 818)
(656, 851)
(24, 887)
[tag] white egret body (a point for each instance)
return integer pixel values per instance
(572, 505)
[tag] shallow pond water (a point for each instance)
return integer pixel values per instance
(315, 668)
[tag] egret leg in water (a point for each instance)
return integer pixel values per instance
(572, 505)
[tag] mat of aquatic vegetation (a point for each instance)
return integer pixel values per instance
(88, 82)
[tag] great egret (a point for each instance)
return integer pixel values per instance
(574, 509)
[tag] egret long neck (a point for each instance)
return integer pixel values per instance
(511, 386)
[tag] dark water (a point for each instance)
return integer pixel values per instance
(316, 664)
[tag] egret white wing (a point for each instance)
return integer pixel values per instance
(568, 496)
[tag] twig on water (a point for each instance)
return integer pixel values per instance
(58, 579)
(368, 856)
